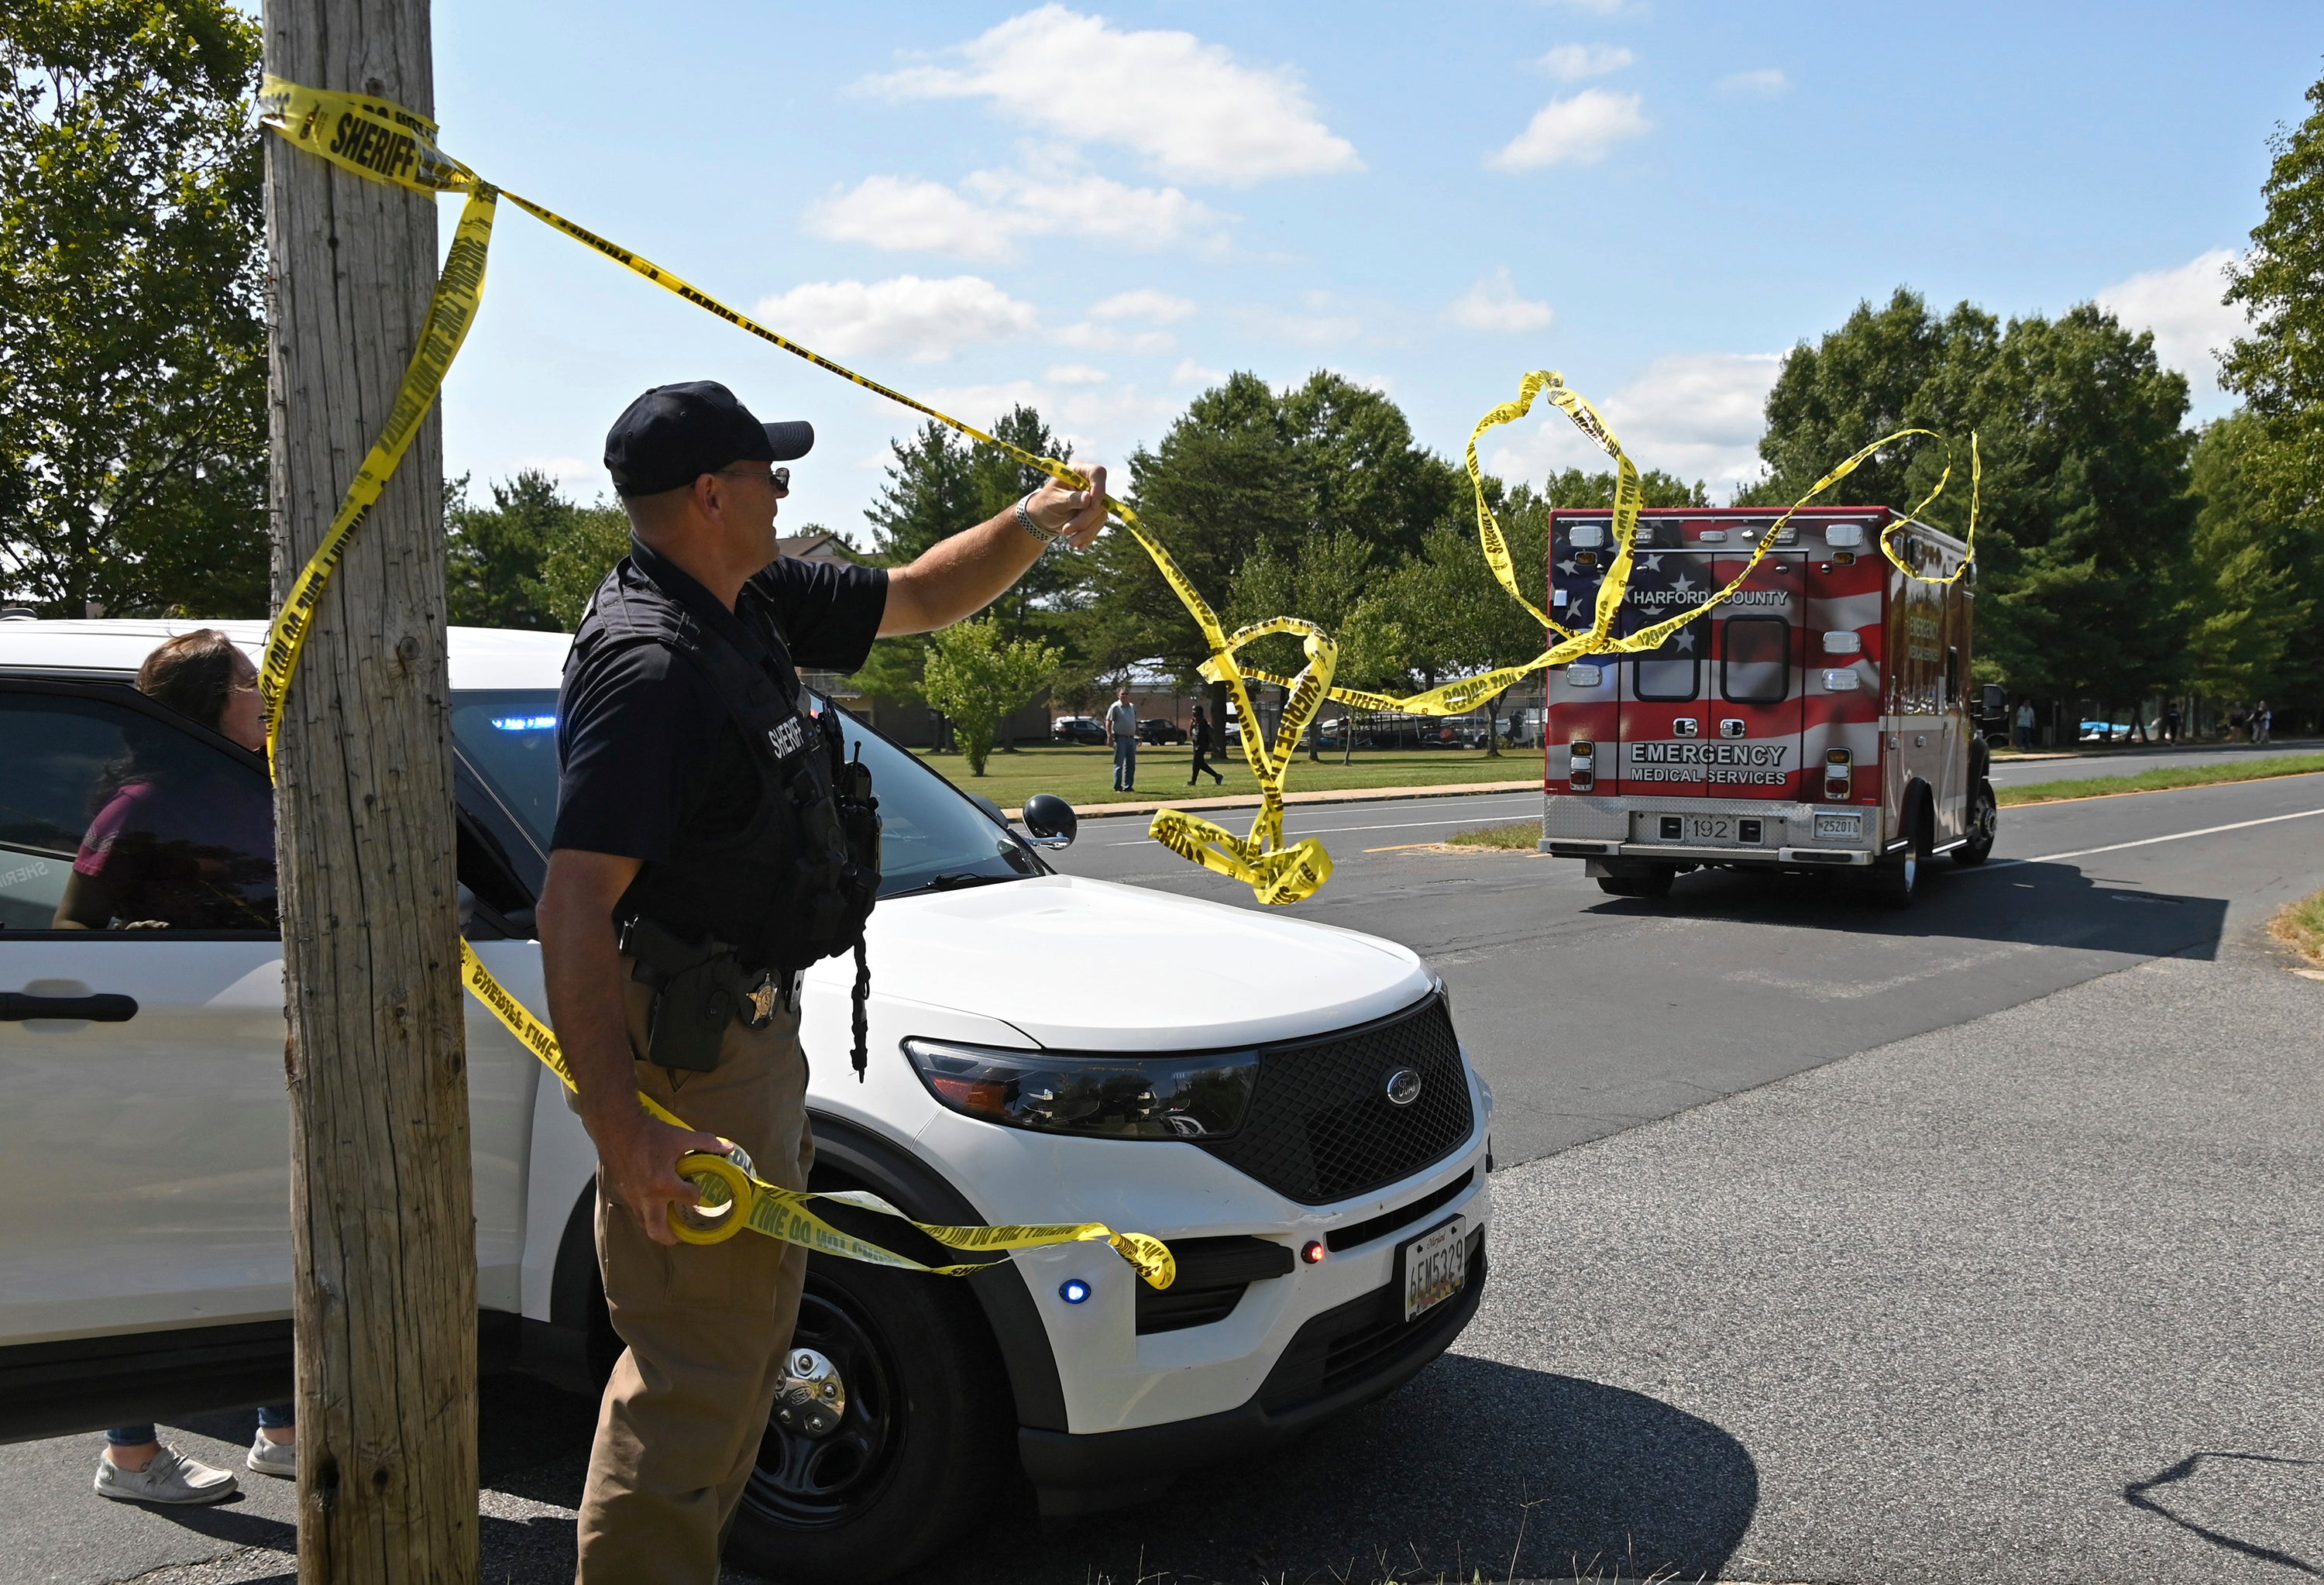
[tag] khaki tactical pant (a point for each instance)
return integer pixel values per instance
(707, 1327)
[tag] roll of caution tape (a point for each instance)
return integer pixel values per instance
(736, 1197)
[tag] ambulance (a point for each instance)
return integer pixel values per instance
(1818, 719)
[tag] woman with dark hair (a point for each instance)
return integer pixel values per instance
(183, 840)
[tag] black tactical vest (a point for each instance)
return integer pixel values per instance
(795, 883)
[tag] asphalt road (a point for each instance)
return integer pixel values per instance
(1979, 1241)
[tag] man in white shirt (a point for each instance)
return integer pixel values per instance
(1121, 727)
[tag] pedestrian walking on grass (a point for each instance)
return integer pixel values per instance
(1203, 744)
(1121, 726)
(2025, 724)
(2263, 723)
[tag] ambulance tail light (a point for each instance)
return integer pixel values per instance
(1837, 776)
(1582, 765)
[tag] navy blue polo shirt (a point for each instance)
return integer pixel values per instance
(644, 747)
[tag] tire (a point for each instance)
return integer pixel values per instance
(1655, 882)
(1897, 881)
(1984, 825)
(922, 1449)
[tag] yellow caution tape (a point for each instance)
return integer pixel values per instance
(385, 143)
(725, 1181)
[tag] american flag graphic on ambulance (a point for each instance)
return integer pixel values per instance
(1817, 716)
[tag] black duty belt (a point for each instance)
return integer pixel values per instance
(699, 988)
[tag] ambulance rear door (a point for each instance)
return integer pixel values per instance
(1663, 717)
(1754, 697)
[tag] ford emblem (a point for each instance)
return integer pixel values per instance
(1403, 1086)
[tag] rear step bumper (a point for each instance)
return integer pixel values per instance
(1820, 858)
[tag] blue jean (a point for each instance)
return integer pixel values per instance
(274, 1416)
(1125, 764)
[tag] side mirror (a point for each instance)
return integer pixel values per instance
(1994, 702)
(1051, 820)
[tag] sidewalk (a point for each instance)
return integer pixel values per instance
(1369, 795)
(2106, 750)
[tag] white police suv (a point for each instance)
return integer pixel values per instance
(1296, 1118)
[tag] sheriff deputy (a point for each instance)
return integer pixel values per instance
(707, 849)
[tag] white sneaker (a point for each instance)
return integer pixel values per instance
(170, 1478)
(273, 1458)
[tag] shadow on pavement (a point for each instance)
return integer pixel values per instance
(2037, 905)
(1476, 1466)
(2141, 1493)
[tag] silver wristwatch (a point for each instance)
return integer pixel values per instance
(1025, 517)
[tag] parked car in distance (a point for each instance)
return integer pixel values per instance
(1307, 1135)
(1078, 729)
(1158, 731)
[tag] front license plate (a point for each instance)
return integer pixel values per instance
(1435, 1265)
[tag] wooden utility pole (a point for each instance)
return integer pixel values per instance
(381, 1214)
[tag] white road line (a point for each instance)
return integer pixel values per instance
(1341, 830)
(2151, 841)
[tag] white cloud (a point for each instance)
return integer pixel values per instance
(1095, 338)
(1594, 7)
(1493, 304)
(1766, 82)
(1699, 416)
(1190, 109)
(1000, 209)
(1074, 374)
(1190, 372)
(1574, 62)
(1572, 131)
(2190, 322)
(1156, 308)
(927, 320)
(582, 477)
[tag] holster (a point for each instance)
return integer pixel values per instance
(699, 989)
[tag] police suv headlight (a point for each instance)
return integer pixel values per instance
(1201, 1097)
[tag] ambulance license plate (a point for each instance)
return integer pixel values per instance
(1436, 1266)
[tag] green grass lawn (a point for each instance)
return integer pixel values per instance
(2302, 924)
(1085, 775)
(2162, 778)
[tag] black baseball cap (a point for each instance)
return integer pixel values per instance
(673, 434)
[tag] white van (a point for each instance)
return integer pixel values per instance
(1285, 1102)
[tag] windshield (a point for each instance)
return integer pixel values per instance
(930, 834)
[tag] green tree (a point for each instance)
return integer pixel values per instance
(1330, 581)
(594, 538)
(2279, 368)
(2085, 515)
(2262, 473)
(1459, 619)
(2259, 572)
(939, 483)
(977, 676)
(495, 554)
(132, 349)
(1247, 467)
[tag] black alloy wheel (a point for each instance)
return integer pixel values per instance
(889, 1436)
(1984, 825)
(831, 1440)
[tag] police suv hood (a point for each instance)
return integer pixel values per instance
(1078, 964)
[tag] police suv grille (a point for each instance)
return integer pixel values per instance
(1322, 1127)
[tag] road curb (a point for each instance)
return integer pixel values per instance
(1367, 794)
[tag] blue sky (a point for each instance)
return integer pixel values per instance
(1101, 209)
